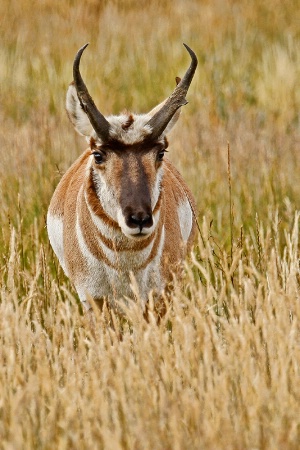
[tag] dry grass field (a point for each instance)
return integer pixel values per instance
(222, 369)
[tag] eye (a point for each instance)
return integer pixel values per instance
(160, 155)
(99, 157)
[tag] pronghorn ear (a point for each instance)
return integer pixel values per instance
(76, 114)
(174, 118)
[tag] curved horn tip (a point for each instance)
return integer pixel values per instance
(192, 54)
(81, 50)
(76, 64)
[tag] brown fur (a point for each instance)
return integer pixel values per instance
(57, 205)
(120, 210)
(128, 123)
(68, 195)
(96, 205)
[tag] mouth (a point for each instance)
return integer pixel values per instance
(139, 235)
(139, 231)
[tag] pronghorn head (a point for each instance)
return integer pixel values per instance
(127, 151)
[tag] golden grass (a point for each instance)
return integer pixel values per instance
(222, 369)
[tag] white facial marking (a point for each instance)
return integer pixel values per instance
(135, 133)
(157, 187)
(106, 195)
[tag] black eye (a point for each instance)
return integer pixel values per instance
(160, 155)
(98, 157)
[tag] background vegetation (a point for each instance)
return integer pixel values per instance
(222, 370)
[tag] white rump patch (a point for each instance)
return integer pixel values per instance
(185, 216)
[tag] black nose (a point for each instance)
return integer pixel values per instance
(139, 219)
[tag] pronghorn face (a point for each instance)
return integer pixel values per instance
(127, 151)
(127, 168)
(128, 181)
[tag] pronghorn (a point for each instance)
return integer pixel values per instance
(122, 208)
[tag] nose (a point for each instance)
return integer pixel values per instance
(140, 219)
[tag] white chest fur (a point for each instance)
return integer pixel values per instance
(113, 279)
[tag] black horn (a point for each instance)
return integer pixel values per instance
(98, 121)
(160, 120)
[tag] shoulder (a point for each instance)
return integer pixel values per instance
(174, 181)
(74, 173)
